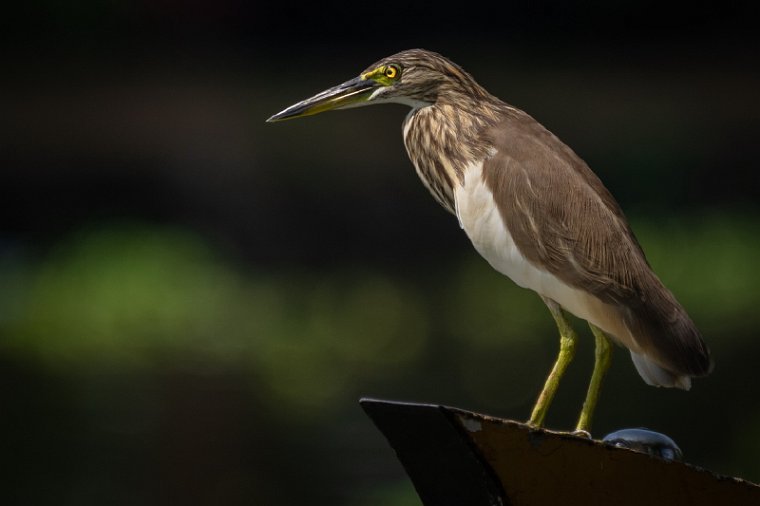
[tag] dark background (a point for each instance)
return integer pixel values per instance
(192, 301)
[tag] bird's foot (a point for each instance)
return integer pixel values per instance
(577, 432)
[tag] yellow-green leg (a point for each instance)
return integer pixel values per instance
(567, 340)
(602, 359)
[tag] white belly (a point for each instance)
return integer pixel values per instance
(480, 218)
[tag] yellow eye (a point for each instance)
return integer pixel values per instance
(391, 72)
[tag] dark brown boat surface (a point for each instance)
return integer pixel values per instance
(456, 457)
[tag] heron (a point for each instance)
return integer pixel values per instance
(537, 213)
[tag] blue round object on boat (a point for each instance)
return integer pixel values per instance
(645, 441)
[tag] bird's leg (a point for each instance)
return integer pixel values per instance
(602, 359)
(567, 339)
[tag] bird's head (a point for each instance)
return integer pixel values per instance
(415, 77)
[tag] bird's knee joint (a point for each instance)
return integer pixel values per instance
(603, 350)
(567, 345)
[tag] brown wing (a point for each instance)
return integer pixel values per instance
(563, 219)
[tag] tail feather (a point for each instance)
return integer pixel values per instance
(657, 376)
(671, 348)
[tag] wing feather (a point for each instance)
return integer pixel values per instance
(563, 219)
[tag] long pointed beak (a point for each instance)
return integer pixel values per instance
(352, 93)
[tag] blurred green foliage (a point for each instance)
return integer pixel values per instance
(126, 293)
(127, 297)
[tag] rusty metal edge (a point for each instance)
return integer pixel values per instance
(442, 462)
